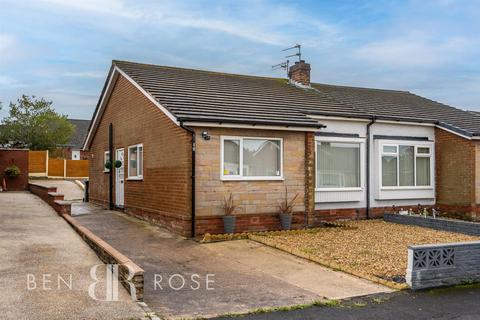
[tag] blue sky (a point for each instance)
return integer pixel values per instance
(62, 49)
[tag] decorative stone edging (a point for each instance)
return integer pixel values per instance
(109, 255)
(266, 241)
(452, 225)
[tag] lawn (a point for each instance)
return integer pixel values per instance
(373, 249)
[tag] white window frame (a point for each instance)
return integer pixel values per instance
(361, 164)
(105, 160)
(416, 155)
(240, 176)
(136, 177)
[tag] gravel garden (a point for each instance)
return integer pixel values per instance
(374, 249)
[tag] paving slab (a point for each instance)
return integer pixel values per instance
(35, 243)
(246, 275)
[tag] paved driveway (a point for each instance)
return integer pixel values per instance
(246, 275)
(35, 241)
(68, 188)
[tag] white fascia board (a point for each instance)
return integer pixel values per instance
(117, 71)
(249, 126)
(338, 118)
(317, 117)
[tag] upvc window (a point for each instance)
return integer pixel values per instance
(106, 158)
(406, 165)
(338, 165)
(135, 162)
(251, 158)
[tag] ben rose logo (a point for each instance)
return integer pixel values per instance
(160, 282)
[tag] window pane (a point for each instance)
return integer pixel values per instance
(338, 165)
(406, 165)
(231, 157)
(261, 158)
(423, 171)
(389, 149)
(132, 162)
(389, 171)
(140, 161)
(423, 150)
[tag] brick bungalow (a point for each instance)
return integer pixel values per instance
(73, 149)
(186, 138)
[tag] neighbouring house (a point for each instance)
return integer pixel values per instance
(73, 149)
(187, 138)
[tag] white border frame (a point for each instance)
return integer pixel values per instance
(361, 164)
(137, 177)
(416, 145)
(240, 177)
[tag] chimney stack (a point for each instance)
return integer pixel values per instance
(300, 73)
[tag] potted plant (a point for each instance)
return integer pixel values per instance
(286, 210)
(108, 165)
(118, 164)
(11, 172)
(229, 219)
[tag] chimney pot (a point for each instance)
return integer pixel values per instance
(300, 73)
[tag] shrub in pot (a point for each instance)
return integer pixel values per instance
(286, 209)
(118, 163)
(108, 165)
(229, 219)
(12, 171)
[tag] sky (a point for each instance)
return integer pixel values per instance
(62, 49)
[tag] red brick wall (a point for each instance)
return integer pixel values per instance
(163, 195)
(19, 158)
(455, 171)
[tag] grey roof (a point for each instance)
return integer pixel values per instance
(195, 95)
(78, 136)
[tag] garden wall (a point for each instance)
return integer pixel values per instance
(459, 226)
(18, 157)
(443, 264)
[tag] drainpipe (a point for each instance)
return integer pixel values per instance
(192, 176)
(110, 175)
(367, 209)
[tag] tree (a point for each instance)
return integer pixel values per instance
(32, 123)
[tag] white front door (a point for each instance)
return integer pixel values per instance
(119, 179)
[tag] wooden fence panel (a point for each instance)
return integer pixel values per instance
(37, 161)
(56, 167)
(77, 168)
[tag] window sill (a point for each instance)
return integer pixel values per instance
(337, 189)
(135, 179)
(251, 178)
(106, 171)
(406, 188)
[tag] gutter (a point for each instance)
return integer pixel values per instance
(192, 176)
(367, 187)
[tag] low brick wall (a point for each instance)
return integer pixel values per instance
(109, 255)
(443, 264)
(18, 157)
(50, 196)
(459, 226)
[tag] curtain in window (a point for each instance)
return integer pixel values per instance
(406, 165)
(389, 171)
(423, 171)
(133, 160)
(261, 158)
(231, 157)
(338, 165)
(140, 161)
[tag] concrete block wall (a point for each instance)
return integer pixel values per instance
(443, 264)
(465, 227)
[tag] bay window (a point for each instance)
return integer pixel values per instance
(251, 158)
(135, 162)
(338, 164)
(405, 165)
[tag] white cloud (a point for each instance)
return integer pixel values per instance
(413, 51)
(9, 82)
(110, 7)
(85, 74)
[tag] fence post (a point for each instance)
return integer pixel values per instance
(64, 168)
(46, 163)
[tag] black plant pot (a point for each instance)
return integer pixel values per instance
(286, 221)
(229, 224)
